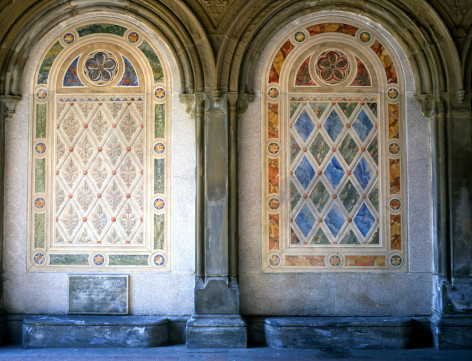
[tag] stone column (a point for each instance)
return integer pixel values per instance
(7, 111)
(451, 118)
(216, 322)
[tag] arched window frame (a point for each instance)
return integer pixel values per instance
(279, 255)
(154, 84)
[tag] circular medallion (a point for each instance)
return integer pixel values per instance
(159, 260)
(40, 203)
(40, 148)
(159, 204)
(335, 261)
(98, 260)
(392, 93)
(160, 93)
(333, 67)
(41, 94)
(365, 37)
(394, 148)
(396, 260)
(274, 260)
(159, 148)
(299, 36)
(39, 258)
(68, 38)
(273, 93)
(273, 148)
(274, 203)
(395, 204)
(101, 67)
(133, 37)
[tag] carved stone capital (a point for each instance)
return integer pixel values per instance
(8, 106)
(427, 104)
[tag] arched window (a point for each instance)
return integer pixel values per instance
(100, 152)
(334, 192)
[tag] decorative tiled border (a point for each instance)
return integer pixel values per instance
(154, 253)
(390, 254)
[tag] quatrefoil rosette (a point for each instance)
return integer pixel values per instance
(332, 67)
(101, 67)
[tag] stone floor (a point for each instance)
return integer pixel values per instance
(180, 353)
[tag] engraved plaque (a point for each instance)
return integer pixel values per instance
(99, 295)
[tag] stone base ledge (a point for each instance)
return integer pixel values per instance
(94, 331)
(348, 332)
(216, 331)
(452, 331)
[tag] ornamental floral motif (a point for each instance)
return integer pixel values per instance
(99, 219)
(333, 67)
(128, 220)
(101, 67)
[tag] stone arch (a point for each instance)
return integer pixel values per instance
(173, 22)
(431, 51)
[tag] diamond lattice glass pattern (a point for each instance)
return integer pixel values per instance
(334, 194)
(99, 181)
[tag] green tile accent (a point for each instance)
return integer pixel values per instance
(375, 238)
(293, 108)
(127, 260)
(159, 224)
(159, 121)
(319, 237)
(347, 108)
(68, 260)
(102, 29)
(373, 108)
(39, 230)
(47, 63)
(349, 196)
(154, 61)
(41, 110)
(318, 108)
(294, 195)
(40, 175)
(350, 238)
(159, 176)
(374, 197)
(373, 150)
(319, 148)
(348, 149)
(294, 148)
(319, 196)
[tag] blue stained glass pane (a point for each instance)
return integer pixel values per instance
(333, 125)
(304, 125)
(364, 220)
(304, 172)
(334, 172)
(305, 220)
(363, 172)
(362, 125)
(334, 220)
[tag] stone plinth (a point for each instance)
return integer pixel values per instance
(94, 331)
(347, 332)
(452, 331)
(216, 331)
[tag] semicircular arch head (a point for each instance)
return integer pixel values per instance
(424, 39)
(180, 33)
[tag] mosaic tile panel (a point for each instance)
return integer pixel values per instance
(99, 195)
(333, 162)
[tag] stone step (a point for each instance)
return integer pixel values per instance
(348, 332)
(94, 331)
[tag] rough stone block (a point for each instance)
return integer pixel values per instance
(216, 331)
(347, 332)
(94, 331)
